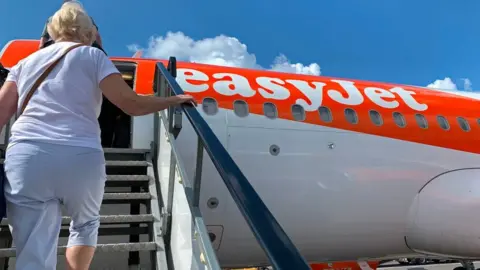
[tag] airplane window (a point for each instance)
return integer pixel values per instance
(210, 106)
(421, 121)
(240, 108)
(442, 121)
(351, 116)
(399, 119)
(376, 118)
(325, 114)
(298, 112)
(463, 124)
(270, 110)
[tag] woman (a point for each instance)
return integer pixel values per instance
(54, 155)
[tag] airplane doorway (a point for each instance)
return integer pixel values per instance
(115, 125)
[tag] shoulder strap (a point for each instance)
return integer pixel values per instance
(43, 76)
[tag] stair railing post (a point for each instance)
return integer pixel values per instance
(197, 184)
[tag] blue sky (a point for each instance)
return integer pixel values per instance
(403, 41)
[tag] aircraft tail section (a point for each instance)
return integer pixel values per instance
(138, 54)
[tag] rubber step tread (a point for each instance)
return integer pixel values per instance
(117, 247)
(110, 219)
(119, 177)
(128, 163)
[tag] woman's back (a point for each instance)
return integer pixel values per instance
(65, 107)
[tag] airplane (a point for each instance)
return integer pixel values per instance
(353, 170)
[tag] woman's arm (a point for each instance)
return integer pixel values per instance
(122, 95)
(8, 102)
(119, 93)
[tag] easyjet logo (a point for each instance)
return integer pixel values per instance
(312, 92)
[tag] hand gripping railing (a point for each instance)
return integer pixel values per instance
(270, 235)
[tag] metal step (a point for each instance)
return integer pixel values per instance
(108, 219)
(117, 163)
(126, 163)
(127, 181)
(125, 151)
(128, 178)
(102, 231)
(113, 154)
(126, 198)
(125, 154)
(127, 167)
(118, 247)
(109, 150)
(119, 180)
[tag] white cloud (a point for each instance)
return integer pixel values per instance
(467, 84)
(445, 84)
(449, 85)
(220, 50)
(282, 64)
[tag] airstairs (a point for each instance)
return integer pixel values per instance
(142, 187)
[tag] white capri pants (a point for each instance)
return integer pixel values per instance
(40, 178)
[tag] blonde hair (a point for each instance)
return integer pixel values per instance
(72, 23)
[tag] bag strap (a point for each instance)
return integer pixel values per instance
(44, 76)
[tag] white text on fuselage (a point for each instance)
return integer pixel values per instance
(229, 84)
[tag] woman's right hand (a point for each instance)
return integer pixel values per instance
(180, 99)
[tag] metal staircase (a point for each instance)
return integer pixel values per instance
(144, 184)
(129, 185)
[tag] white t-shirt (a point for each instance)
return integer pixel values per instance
(65, 107)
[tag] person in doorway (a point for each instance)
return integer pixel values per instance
(115, 126)
(54, 156)
(46, 40)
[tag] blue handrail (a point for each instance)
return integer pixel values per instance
(280, 250)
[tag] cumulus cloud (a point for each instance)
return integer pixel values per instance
(445, 84)
(467, 84)
(221, 50)
(448, 84)
(282, 64)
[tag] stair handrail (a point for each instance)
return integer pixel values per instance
(278, 247)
